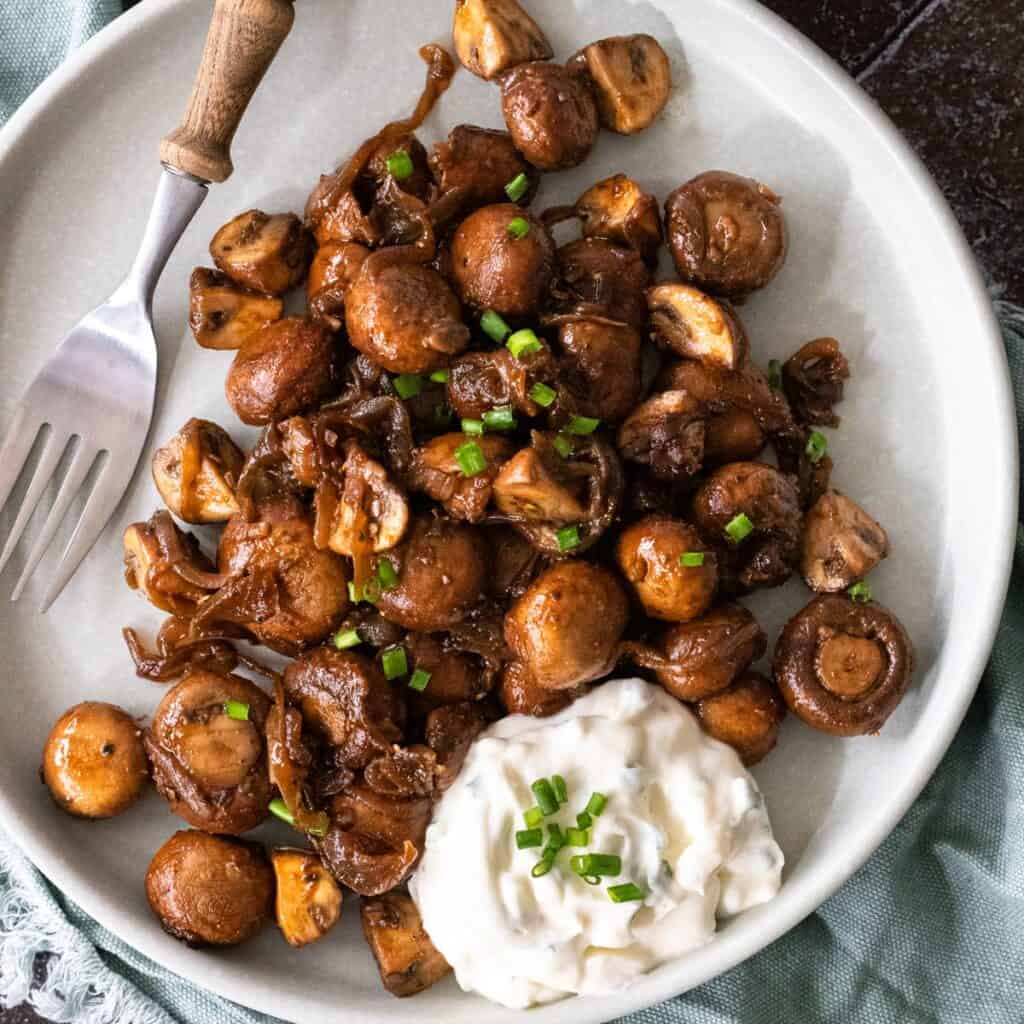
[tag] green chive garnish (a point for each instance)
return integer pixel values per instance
(596, 804)
(534, 816)
(494, 327)
(775, 374)
(407, 385)
(543, 866)
(370, 593)
(394, 662)
(817, 446)
(577, 837)
(543, 395)
(237, 710)
(470, 458)
(528, 837)
(738, 528)
(860, 592)
(556, 839)
(344, 639)
(596, 864)
(517, 187)
(475, 427)
(518, 227)
(387, 574)
(691, 559)
(546, 799)
(628, 892)
(568, 537)
(524, 343)
(501, 418)
(560, 788)
(563, 445)
(584, 820)
(582, 425)
(280, 810)
(418, 680)
(439, 377)
(399, 165)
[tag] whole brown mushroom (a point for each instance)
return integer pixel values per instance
(520, 695)
(841, 544)
(210, 890)
(747, 715)
(334, 268)
(481, 163)
(94, 762)
(598, 278)
(603, 362)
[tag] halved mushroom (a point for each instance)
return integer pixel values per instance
(436, 472)
(842, 666)
(308, 900)
(841, 543)
(372, 513)
(492, 36)
(532, 487)
(747, 715)
(481, 163)
(267, 253)
(331, 274)
(691, 324)
(196, 473)
(601, 279)
(726, 233)
(210, 890)
(631, 78)
(618, 209)
(406, 958)
(665, 433)
(602, 360)
(94, 761)
(207, 748)
(813, 381)
(222, 314)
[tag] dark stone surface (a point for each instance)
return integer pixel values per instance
(949, 73)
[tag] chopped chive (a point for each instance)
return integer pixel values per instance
(387, 574)
(407, 385)
(529, 837)
(280, 810)
(501, 418)
(560, 788)
(524, 343)
(237, 710)
(344, 639)
(534, 816)
(418, 680)
(475, 427)
(591, 879)
(577, 837)
(596, 864)
(817, 446)
(470, 458)
(370, 593)
(568, 537)
(543, 866)
(738, 528)
(775, 374)
(584, 820)
(399, 165)
(546, 800)
(442, 414)
(563, 445)
(860, 592)
(518, 227)
(517, 187)
(494, 327)
(556, 838)
(596, 804)
(691, 559)
(582, 425)
(394, 662)
(543, 395)
(628, 892)
(439, 377)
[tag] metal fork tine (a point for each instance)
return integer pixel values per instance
(53, 449)
(105, 496)
(73, 480)
(17, 444)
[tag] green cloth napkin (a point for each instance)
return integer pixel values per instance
(929, 931)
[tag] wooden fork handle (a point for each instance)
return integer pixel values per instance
(243, 39)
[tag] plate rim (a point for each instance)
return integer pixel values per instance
(821, 883)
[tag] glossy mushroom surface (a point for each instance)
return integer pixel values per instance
(307, 902)
(841, 544)
(747, 715)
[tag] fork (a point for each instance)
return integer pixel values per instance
(94, 397)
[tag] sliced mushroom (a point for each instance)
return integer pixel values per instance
(166, 578)
(435, 471)
(841, 543)
(372, 513)
(308, 900)
(222, 314)
(813, 381)
(618, 209)
(530, 487)
(481, 164)
(268, 254)
(747, 715)
(492, 36)
(94, 761)
(665, 433)
(603, 362)
(406, 958)
(694, 326)
(197, 471)
(631, 78)
(842, 666)
(331, 274)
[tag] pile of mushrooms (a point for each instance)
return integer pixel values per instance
(467, 500)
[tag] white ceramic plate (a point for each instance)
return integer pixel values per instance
(927, 441)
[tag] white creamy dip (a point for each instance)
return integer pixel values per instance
(683, 814)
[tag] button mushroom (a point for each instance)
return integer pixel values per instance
(210, 890)
(406, 958)
(603, 362)
(197, 471)
(565, 629)
(666, 563)
(503, 259)
(222, 314)
(492, 36)
(532, 487)
(841, 543)
(372, 513)
(747, 715)
(481, 164)
(308, 900)
(435, 471)
(691, 324)
(631, 79)
(455, 677)
(520, 695)
(732, 436)
(280, 370)
(842, 666)
(333, 270)
(481, 381)
(267, 253)
(598, 278)
(94, 762)
(618, 209)
(665, 433)
(813, 381)
(450, 731)
(208, 751)
(726, 233)
(550, 113)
